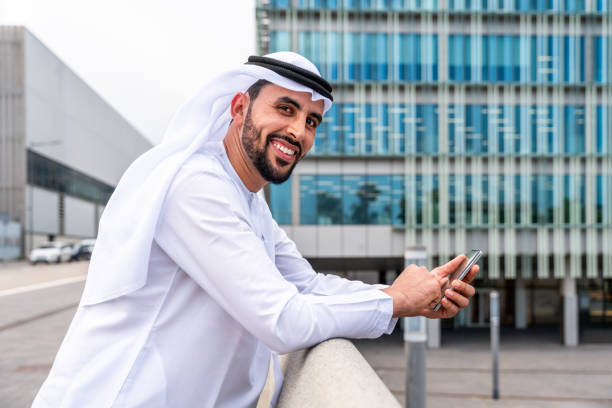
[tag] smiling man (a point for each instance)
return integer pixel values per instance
(193, 287)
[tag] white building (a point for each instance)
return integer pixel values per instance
(62, 147)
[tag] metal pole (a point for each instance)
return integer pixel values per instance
(415, 337)
(495, 341)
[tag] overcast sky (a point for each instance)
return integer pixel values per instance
(144, 57)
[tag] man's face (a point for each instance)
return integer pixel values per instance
(279, 129)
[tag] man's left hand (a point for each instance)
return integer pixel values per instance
(455, 299)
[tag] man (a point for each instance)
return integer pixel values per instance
(192, 286)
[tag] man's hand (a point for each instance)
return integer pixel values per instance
(416, 291)
(455, 299)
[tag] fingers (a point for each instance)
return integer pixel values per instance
(463, 288)
(457, 298)
(450, 308)
(472, 274)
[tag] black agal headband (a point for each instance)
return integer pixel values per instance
(295, 73)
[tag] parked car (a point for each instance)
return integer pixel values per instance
(83, 249)
(51, 252)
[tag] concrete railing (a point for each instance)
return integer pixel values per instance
(332, 374)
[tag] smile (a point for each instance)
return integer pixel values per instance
(287, 153)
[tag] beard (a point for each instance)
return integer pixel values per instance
(251, 136)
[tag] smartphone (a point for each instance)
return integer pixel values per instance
(461, 271)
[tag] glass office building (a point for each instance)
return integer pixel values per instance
(460, 124)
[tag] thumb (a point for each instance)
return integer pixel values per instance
(444, 270)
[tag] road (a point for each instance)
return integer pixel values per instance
(36, 306)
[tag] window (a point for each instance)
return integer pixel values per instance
(280, 202)
(46, 173)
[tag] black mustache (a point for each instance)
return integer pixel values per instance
(286, 139)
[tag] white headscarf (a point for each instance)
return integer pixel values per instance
(120, 259)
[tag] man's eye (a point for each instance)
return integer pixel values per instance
(311, 122)
(285, 108)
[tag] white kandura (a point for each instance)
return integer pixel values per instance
(226, 291)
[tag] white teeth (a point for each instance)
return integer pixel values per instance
(284, 149)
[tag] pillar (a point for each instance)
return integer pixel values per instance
(570, 312)
(520, 304)
(433, 333)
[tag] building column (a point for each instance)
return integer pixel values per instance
(520, 304)
(433, 333)
(570, 312)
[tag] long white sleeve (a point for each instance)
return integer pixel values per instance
(206, 230)
(298, 271)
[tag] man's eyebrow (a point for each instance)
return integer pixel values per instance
(295, 103)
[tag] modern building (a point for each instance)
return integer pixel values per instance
(461, 124)
(62, 147)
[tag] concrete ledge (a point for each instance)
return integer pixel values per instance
(332, 374)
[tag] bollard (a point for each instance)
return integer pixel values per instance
(415, 337)
(494, 310)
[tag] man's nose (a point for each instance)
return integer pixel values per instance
(296, 128)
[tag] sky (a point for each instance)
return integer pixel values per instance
(144, 57)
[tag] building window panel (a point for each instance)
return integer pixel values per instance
(602, 66)
(603, 129)
(280, 202)
(355, 196)
(281, 41)
(377, 192)
(46, 173)
(308, 200)
(329, 199)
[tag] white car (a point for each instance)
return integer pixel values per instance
(51, 252)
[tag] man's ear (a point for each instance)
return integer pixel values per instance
(240, 107)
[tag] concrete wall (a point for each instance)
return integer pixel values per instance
(12, 131)
(70, 123)
(79, 217)
(44, 210)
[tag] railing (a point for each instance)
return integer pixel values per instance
(332, 374)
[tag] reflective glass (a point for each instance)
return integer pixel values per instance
(453, 200)
(51, 175)
(280, 41)
(356, 195)
(329, 199)
(308, 200)
(484, 198)
(599, 200)
(603, 129)
(398, 200)
(501, 198)
(574, 129)
(378, 191)
(603, 66)
(280, 202)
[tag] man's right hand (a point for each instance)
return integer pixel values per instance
(416, 288)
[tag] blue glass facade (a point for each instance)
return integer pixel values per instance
(540, 6)
(363, 56)
(413, 57)
(381, 129)
(498, 110)
(502, 129)
(351, 199)
(514, 58)
(474, 200)
(280, 202)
